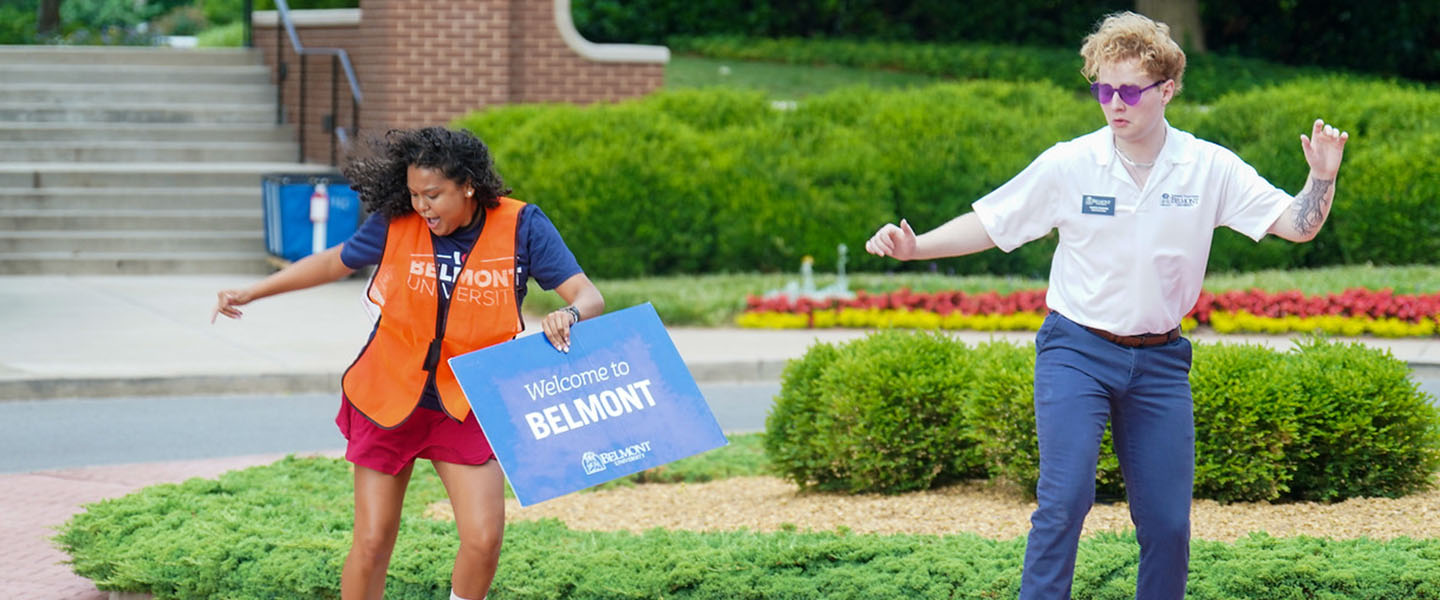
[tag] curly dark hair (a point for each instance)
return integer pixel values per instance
(377, 167)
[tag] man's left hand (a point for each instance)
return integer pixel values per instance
(1324, 148)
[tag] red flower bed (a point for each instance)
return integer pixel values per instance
(942, 303)
(1355, 302)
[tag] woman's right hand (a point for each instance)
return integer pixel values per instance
(892, 241)
(226, 302)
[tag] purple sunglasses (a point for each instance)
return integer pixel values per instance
(1103, 92)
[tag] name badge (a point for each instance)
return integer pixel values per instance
(1097, 205)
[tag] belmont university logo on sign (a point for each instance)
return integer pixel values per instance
(1180, 200)
(594, 463)
(621, 401)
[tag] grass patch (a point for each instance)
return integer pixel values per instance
(743, 457)
(1412, 279)
(223, 36)
(282, 530)
(715, 300)
(1207, 76)
(781, 81)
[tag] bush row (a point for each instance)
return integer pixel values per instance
(719, 181)
(1381, 213)
(281, 531)
(1393, 38)
(899, 411)
(1207, 76)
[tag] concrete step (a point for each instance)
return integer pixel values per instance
(134, 263)
(217, 151)
(126, 74)
(82, 242)
(119, 219)
(145, 174)
(111, 112)
(127, 55)
(87, 93)
(139, 132)
(199, 198)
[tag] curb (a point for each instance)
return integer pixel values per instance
(13, 390)
(291, 383)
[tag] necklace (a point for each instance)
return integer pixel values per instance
(1129, 161)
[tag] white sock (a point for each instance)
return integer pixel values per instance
(455, 597)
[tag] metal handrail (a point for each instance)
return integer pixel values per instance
(339, 60)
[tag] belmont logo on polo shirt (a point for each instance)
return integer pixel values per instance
(1097, 205)
(1181, 200)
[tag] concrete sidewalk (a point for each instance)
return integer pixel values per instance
(94, 336)
(97, 336)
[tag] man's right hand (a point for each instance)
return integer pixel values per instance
(892, 241)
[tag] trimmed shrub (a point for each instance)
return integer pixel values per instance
(798, 426)
(1383, 211)
(895, 421)
(1364, 427)
(1326, 421)
(706, 181)
(1242, 428)
(281, 531)
(717, 181)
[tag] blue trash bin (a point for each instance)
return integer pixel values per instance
(289, 231)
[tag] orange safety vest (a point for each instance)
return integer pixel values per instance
(386, 381)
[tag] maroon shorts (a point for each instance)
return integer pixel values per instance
(426, 434)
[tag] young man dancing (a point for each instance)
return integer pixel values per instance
(1136, 204)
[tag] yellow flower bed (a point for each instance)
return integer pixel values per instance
(1221, 321)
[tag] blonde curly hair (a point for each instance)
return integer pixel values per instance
(1126, 36)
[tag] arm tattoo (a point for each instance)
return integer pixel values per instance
(1312, 205)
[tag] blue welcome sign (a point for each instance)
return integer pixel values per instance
(621, 401)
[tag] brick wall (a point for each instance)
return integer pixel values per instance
(425, 62)
(317, 141)
(547, 70)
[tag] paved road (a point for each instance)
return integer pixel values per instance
(55, 434)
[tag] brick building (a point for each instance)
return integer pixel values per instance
(425, 62)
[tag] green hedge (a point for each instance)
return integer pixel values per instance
(282, 531)
(1397, 37)
(1384, 208)
(718, 181)
(707, 181)
(17, 22)
(898, 411)
(1207, 76)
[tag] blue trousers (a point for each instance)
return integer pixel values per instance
(1082, 381)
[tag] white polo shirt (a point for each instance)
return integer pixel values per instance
(1130, 260)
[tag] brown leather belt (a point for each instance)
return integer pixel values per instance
(1137, 341)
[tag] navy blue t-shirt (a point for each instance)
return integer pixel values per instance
(539, 253)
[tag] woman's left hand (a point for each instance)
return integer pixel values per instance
(585, 301)
(557, 328)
